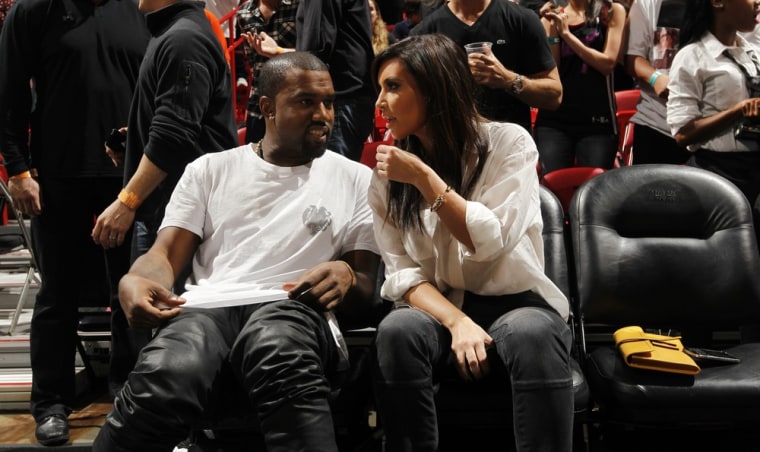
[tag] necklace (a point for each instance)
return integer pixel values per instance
(259, 151)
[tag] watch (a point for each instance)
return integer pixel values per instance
(517, 85)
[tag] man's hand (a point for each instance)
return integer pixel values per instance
(469, 343)
(488, 71)
(262, 43)
(147, 304)
(112, 225)
(116, 155)
(26, 195)
(323, 286)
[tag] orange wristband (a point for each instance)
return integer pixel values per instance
(129, 199)
(279, 51)
(24, 175)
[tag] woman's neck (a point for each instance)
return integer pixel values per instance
(726, 35)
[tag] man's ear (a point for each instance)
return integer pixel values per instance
(266, 105)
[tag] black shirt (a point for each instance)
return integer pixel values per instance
(83, 60)
(519, 43)
(183, 104)
(339, 33)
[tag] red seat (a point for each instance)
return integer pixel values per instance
(627, 99)
(564, 181)
(380, 128)
(625, 156)
(623, 118)
(241, 135)
(370, 149)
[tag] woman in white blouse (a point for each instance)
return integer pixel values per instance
(714, 102)
(458, 223)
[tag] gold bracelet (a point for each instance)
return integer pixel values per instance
(24, 175)
(351, 270)
(129, 199)
(440, 200)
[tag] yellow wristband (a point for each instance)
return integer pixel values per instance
(353, 275)
(129, 199)
(24, 175)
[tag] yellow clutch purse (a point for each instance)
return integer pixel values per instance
(653, 351)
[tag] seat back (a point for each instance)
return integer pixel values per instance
(555, 251)
(664, 246)
(627, 99)
(565, 181)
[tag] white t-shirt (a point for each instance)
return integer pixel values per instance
(262, 225)
(504, 221)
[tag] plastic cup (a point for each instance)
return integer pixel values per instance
(478, 47)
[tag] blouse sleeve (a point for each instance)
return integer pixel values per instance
(401, 271)
(686, 90)
(506, 201)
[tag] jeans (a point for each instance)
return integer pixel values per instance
(563, 149)
(282, 353)
(354, 119)
(532, 344)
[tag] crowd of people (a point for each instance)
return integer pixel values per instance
(288, 228)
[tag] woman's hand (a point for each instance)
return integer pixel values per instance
(398, 165)
(469, 343)
(558, 20)
(751, 108)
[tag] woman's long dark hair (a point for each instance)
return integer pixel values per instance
(697, 21)
(439, 66)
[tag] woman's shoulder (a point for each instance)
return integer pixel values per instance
(504, 130)
(507, 138)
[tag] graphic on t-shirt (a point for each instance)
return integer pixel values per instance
(665, 46)
(316, 218)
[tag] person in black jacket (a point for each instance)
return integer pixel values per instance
(82, 58)
(182, 109)
(340, 34)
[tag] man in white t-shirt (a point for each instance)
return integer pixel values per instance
(282, 220)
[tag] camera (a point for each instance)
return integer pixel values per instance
(116, 140)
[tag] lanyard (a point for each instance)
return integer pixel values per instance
(753, 81)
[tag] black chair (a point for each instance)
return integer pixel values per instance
(475, 416)
(671, 249)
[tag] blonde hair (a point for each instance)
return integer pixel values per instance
(379, 31)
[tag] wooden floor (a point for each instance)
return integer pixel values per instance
(17, 427)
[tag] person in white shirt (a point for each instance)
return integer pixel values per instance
(282, 219)
(458, 223)
(714, 104)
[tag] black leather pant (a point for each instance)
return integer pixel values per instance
(278, 351)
